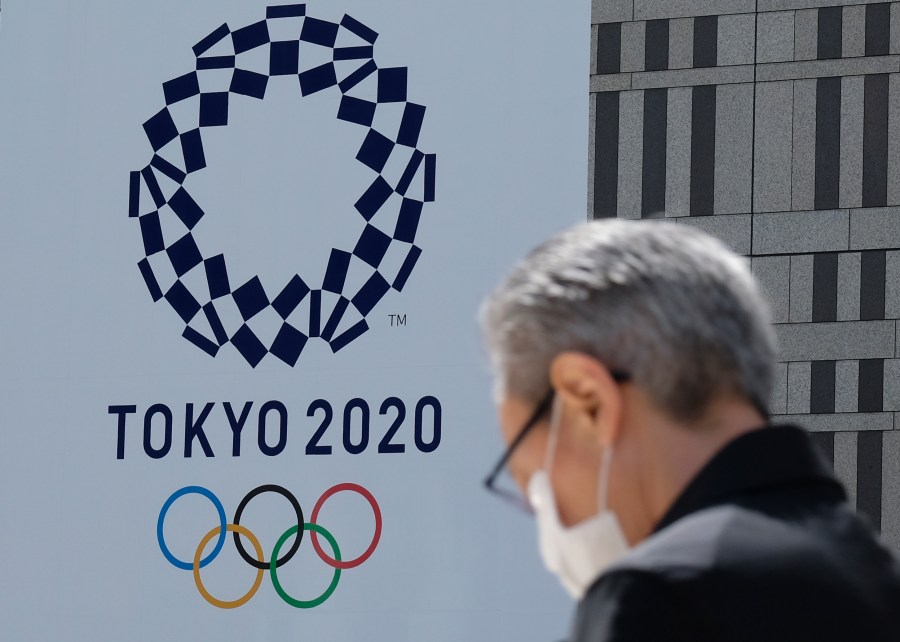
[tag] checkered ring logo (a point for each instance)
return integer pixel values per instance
(167, 204)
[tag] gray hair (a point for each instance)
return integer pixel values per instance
(668, 304)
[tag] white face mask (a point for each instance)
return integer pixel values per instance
(579, 554)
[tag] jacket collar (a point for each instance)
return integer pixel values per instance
(765, 458)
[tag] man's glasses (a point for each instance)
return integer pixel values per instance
(508, 490)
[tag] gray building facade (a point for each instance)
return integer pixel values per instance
(775, 125)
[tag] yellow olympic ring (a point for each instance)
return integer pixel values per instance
(222, 604)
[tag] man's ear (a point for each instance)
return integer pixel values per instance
(591, 398)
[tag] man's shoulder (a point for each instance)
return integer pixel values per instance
(742, 573)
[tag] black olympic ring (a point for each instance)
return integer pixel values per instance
(284, 492)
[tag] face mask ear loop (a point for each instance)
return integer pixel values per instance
(603, 481)
(555, 416)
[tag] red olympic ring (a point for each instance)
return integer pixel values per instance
(315, 514)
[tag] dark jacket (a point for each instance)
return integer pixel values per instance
(761, 545)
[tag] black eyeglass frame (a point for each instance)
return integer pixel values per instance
(542, 408)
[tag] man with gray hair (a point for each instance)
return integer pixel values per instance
(633, 364)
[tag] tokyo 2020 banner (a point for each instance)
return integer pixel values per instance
(243, 245)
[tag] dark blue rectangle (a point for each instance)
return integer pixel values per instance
(357, 76)
(315, 312)
(407, 268)
(284, 58)
(184, 254)
(408, 220)
(185, 208)
(317, 79)
(250, 37)
(168, 169)
(372, 245)
(371, 293)
(211, 39)
(215, 323)
(160, 129)
(375, 151)
(150, 279)
(392, 85)
(335, 318)
(361, 30)
(209, 347)
(410, 172)
(249, 83)
(215, 62)
(288, 344)
(182, 301)
(153, 186)
(251, 298)
(217, 276)
(134, 193)
(249, 346)
(290, 297)
(319, 32)
(411, 124)
(336, 272)
(286, 11)
(151, 233)
(355, 110)
(374, 197)
(430, 167)
(353, 53)
(182, 87)
(192, 148)
(358, 329)
(214, 109)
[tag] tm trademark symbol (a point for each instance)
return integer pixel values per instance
(397, 319)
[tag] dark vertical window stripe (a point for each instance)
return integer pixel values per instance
(653, 180)
(703, 149)
(821, 388)
(878, 29)
(824, 441)
(831, 22)
(656, 45)
(706, 41)
(828, 143)
(868, 475)
(875, 141)
(871, 385)
(609, 48)
(824, 295)
(872, 276)
(606, 154)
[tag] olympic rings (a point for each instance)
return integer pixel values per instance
(259, 562)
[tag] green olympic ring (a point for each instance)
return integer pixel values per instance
(273, 570)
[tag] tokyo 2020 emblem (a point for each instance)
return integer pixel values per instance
(390, 206)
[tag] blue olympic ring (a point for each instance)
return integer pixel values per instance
(199, 490)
